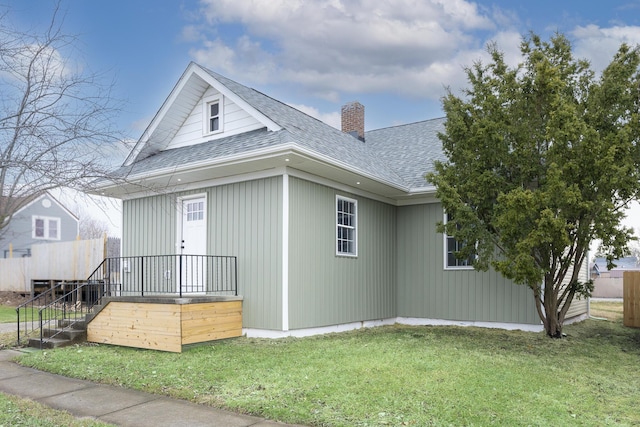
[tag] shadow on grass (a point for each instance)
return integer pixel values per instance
(606, 332)
(581, 338)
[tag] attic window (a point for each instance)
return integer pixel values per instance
(212, 115)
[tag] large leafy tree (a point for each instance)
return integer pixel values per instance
(542, 158)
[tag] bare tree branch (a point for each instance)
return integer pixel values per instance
(56, 116)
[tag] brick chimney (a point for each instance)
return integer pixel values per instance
(353, 119)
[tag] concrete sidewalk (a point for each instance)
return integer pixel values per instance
(8, 327)
(111, 404)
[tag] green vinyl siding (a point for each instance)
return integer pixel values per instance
(427, 290)
(243, 220)
(149, 226)
(326, 289)
(246, 221)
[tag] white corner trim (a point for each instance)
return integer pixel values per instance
(285, 251)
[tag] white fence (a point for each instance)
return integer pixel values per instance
(52, 261)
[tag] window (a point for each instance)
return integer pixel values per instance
(212, 115)
(39, 228)
(46, 228)
(195, 211)
(451, 248)
(346, 226)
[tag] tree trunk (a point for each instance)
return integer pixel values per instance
(552, 324)
(553, 327)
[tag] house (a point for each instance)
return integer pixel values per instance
(39, 219)
(332, 230)
(608, 283)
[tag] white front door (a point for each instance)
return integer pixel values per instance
(193, 244)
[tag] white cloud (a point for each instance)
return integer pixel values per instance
(332, 119)
(246, 59)
(191, 33)
(334, 48)
(407, 47)
(599, 45)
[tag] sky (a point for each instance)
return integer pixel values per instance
(396, 57)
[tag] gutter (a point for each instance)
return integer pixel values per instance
(289, 148)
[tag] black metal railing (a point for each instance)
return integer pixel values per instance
(156, 275)
(62, 305)
(170, 275)
(27, 314)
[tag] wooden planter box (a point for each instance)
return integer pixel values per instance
(166, 324)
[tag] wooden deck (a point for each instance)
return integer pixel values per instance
(166, 323)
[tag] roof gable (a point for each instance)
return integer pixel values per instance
(26, 202)
(185, 96)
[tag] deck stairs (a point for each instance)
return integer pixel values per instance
(59, 316)
(66, 333)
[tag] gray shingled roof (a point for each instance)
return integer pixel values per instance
(314, 134)
(219, 148)
(409, 149)
(398, 155)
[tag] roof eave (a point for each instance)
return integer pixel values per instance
(287, 154)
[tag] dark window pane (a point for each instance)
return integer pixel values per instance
(39, 228)
(451, 259)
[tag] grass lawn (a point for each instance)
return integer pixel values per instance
(23, 412)
(396, 375)
(7, 314)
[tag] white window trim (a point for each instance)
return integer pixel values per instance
(355, 227)
(46, 220)
(205, 114)
(446, 252)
